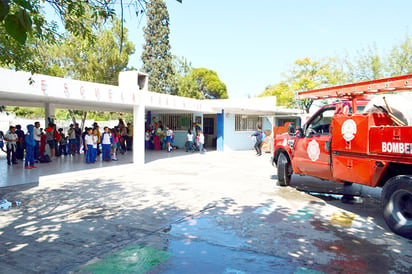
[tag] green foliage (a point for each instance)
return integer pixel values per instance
(28, 112)
(23, 26)
(182, 66)
(156, 55)
(283, 92)
(308, 74)
(368, 65)
(202, 83)
(400, 58)
(99, 60)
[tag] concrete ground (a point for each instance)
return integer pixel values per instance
(192, 213)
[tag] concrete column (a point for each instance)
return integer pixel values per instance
(138, 135)
(49, 111)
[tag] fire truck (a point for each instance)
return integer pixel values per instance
(341, 143)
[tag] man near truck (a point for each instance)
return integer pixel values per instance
(258, 135)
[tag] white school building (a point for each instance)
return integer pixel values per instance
(226, 123)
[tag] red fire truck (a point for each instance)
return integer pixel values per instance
(342, 144)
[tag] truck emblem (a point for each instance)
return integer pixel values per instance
(349, 130)
(313, 150)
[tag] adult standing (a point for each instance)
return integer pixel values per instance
(156, 137)
(72, 139)
(129, 136)
(19, 143)
(258, 135)
(37, 140)
(78, 133)
(11, 139)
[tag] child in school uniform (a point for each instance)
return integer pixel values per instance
(116, 143)
(88, 146)
(96, 141)
(107, 141)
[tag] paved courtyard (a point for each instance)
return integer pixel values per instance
(192, 213)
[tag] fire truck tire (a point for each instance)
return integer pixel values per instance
(284, 170)
(397, 205)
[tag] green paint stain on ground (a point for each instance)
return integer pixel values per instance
(305, 270)
(134, 259)
(302, 214)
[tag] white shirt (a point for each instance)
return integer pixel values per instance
(88, 139)
(169, 132)
(201, 139)
(11, 136)
(106, 138)
(95, 138)
(190, 137)
(36, 134)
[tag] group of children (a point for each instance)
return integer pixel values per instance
(158, 138)
(109, 140)
(195, 143)
(39, 145)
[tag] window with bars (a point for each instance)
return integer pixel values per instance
(247, 122)
(181, 121)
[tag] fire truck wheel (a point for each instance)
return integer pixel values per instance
(397, 205)
(284, 170)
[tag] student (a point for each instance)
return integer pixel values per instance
(147, 138)
(169, 139)
(37, 139)
(11, 139)
(62, 143)
(189, 141)
(88, 146)
(107, 141)
(50, 139)
(96, 142)
(30, 146)
(2, 141)
(201, 141)
(258, 135)
(116, 144)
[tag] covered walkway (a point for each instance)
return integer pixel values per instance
(16, 175)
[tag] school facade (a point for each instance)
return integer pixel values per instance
(226, 123)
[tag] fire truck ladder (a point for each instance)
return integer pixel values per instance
(360, 90)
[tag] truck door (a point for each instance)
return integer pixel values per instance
(312, 153)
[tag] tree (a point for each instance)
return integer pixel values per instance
(23, 25)
(310, 74)
(282, 91)
(368, 65)
(156, 55)
(400, 58)
(202, 83)
(97, 60)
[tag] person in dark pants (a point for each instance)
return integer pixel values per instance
(258, 135)
(11, 139)
(37, 139)
(20, 143)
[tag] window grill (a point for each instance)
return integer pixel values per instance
(181, 121)
(247, 122)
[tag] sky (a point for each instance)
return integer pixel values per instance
(250, 44)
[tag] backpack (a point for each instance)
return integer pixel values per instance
(44, 159)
